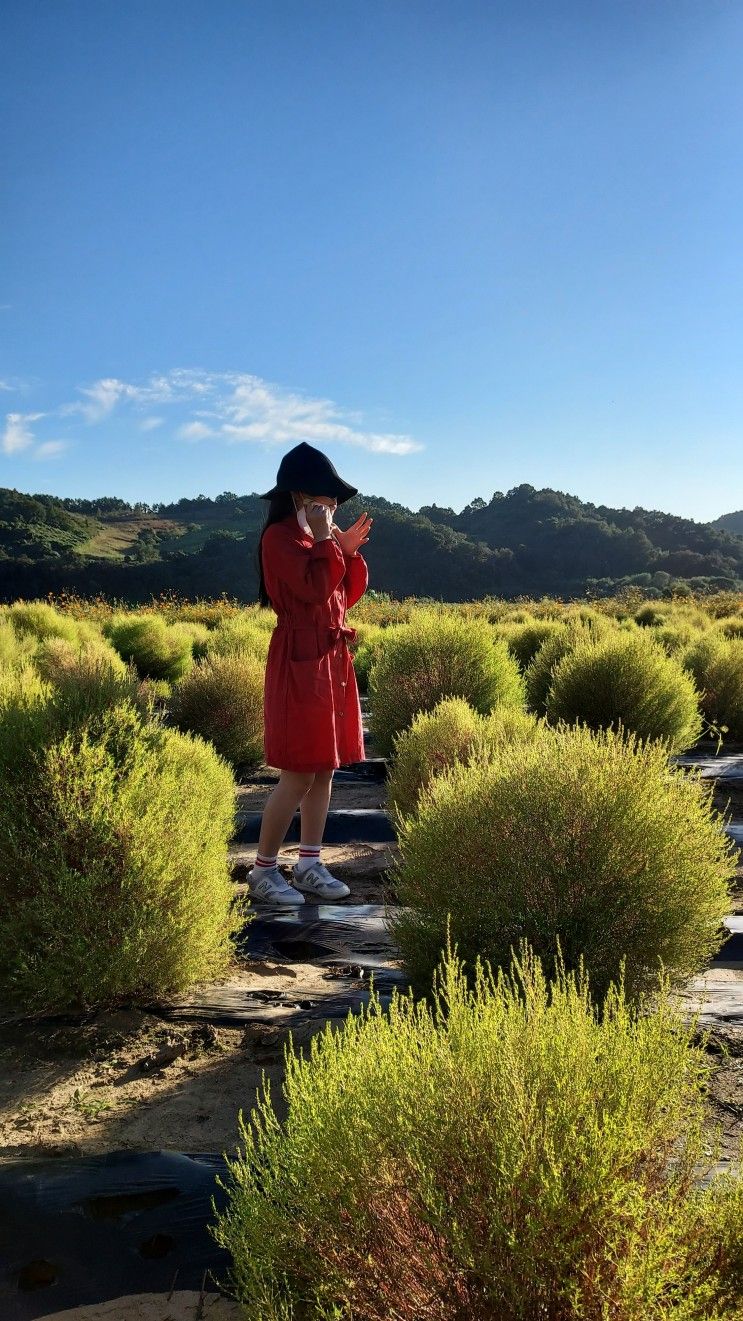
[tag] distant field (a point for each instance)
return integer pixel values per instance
(117, 536)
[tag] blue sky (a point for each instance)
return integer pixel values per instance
(456, 245)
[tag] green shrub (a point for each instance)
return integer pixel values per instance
(650, 616)
(509, 1153)
(434, 740)
(451, 732)
(674, 637)
(159, 650)
(221, 699)
(239, 634)
(730, 626)
(628, 679)
(524, 640)
(716, 664)
(90, 678)
(538, 675)
(40, 620)
(371, 641)
(437, 657)
(587, 837)
(16, 649)
(113, 855)
(199, 635)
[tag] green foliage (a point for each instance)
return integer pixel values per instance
(113, 854)
(507, 1153)
(627, 679)
(16, 649)
(716, 664)
(524, 640)
(221, 699)
(159, 650)
(538, 675)
(649, 616)
(451, 732)
(438, 656)
(434, 740)
(89, 678)
(199, 634)
(589, 838)
(732, 626)
(39, 620)
(674, 637)
(241, 633)
(372, 639)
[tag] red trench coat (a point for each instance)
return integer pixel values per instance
(311, 708)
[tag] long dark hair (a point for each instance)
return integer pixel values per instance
(278, 507)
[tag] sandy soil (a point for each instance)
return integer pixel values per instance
(130, 1079)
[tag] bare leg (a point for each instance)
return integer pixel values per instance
(313, 808)
(281, 804)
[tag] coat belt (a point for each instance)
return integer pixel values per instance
(336, 631)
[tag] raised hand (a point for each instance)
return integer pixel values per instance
(355, 536)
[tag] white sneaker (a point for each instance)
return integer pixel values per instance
(269, 885)
(316, 879)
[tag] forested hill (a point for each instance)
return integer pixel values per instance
(730, 522)
(523, 542)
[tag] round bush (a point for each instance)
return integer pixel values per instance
(673, 638)
(91, 677)
(649, 616)
(589, 838)
(198, 634)
(159, 650)
(730, 626)
(434, 740)
(507, 1154)
(368, 646)
(438, 656)
(221, 699)
(239, 634)
(40, 620)
(113, 855)
(451, 732)
(524, 640)
(16, 649)
(716, 664)
(538, 675)
(629, 680)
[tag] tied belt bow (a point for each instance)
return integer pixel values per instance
(336, 632)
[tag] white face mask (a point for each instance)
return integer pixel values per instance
(302, 520)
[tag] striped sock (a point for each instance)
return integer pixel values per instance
(263, 863)
(308, 853)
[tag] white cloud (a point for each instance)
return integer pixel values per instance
(102, 398)
(234, 407)
(195, 431)
(256, 411)
(18, 434)
(49, 449)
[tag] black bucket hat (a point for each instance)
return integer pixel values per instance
(307, 469)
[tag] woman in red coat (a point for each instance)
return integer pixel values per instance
(311, 574)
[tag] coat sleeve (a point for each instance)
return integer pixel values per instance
(311, 572)
(357, 578)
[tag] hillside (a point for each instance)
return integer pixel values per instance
(730, 523)
(524, 542)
